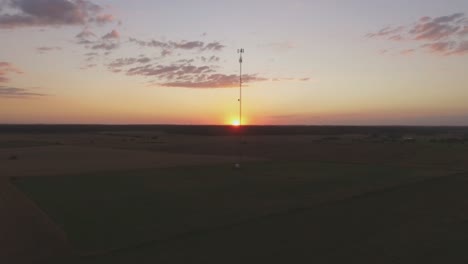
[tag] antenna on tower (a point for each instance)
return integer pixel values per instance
(240, 52)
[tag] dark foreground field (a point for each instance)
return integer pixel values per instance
(98, 194)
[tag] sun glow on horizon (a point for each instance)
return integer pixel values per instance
(235, 122)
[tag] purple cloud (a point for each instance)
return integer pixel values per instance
(12, 92)
(187, 45)
(122, 62)
(180, 74)
(216, 46)
(108, 42)
(461, 49)
(444, 35)
(432, 31)
(105, 46)
(182, 45)
(86, 34)
(210, 59)
(169, 71)
(40, 13)
(213, 81)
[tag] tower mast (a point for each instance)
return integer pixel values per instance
(240, 51)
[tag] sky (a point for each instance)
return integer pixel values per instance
(316, 62)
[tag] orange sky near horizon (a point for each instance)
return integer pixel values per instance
(305, 62)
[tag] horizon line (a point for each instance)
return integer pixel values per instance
(225, 125)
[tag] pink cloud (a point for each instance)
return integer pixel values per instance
(5, 69)
(105, 18)
(407, 52)
(396, 38)
(443, 48)
(433, 31)
(444, 35)
(464, 31)
(114, 34)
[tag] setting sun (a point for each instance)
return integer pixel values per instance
(235, 123)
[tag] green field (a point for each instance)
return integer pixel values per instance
(110, 213)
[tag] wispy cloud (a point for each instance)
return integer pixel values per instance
(444, 35)
(43, 50)
(213, 81)
(5, 69)
(122, 62)
(291, 79)
(387, 32)
(182, 45)
(12, 92)
(179, 74)
(114, 34)
(443, 47)
(461, 49)
(105, 46)
(184, 73)
(40, 13)
(86, 34)
(210, 59)
(104, 19)
(88, 66)
(108, 42)
(407, 52)
(279, 46)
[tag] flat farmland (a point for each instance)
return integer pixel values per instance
(157, 196)
(112, 211)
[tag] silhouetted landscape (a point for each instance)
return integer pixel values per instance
(171, 194)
